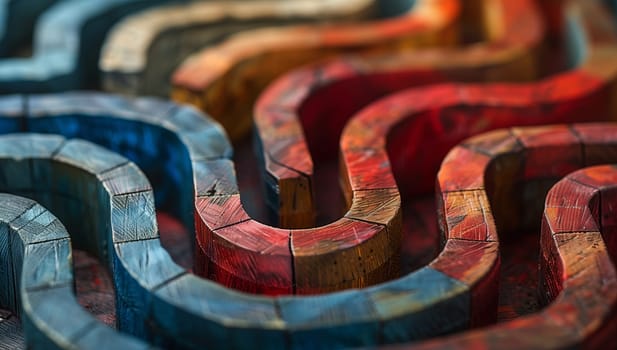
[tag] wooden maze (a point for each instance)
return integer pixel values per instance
(311, 174)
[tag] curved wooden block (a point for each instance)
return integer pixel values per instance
(17, 18)
(443, 115)
(35, 249)
(66, 47)
(360, 249)
(142, 51)
(577, 239)
(224, 80)
(307, 109)
(159, 301)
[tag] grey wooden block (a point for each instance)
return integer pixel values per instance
(19, 151)
(348, 318)
(133, 217)
(42, 282)
(89, 157)
(124, 179)
(214, 178)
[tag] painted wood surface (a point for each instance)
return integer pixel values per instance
(225, 80)
(577, 257)
(147, 281)
(142, 51)
(292, 114)
(67, 42)
(489, 188)
(35, 248)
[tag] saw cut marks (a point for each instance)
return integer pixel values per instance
(307, 109)
(142, 51)
(67, 42)
(35, 249)
(225, 80)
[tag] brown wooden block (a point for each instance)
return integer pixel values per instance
(468, 216)
(349, 254)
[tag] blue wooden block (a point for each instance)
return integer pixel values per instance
(140, 266)
(66, 46)
(415, 306)
(160, 137)
(12, 112)
(199, 312)
(335, 320)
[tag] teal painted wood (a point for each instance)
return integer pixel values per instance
(156, 299)
(40, 279)
(17, 18)
(67, 42)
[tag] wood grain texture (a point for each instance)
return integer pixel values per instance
(40, 278)
(578, 277)
(225, 80)
(66, 44)
(141, 268)
(306, 109)
(245, 254)
(142, 51)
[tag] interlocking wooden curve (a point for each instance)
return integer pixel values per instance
(302, 102)
(35, 249)
(393, 268)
